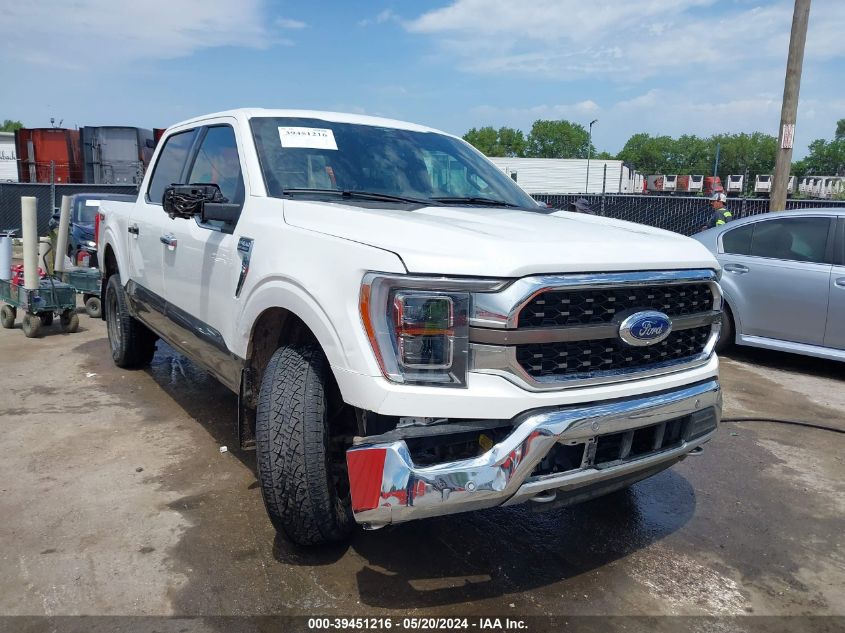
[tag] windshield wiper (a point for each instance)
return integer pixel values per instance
(353, 193)
(491, 202)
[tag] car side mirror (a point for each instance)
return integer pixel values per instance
(221, 212)
(187, 201)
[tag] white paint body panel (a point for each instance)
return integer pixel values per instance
(310, 257)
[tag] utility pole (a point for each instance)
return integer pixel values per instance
(589, 154)
(789, 110)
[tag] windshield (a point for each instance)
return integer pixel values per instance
(84, 210)
(314, 154)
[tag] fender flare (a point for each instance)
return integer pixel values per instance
(280, 292)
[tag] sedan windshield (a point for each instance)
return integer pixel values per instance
(305, 157)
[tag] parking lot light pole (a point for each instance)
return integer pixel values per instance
(589, 154)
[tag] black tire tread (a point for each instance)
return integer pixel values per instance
(728, 334)
(137, 341)
(292, 448)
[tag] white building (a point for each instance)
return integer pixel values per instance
(8, 158)
(569, 175)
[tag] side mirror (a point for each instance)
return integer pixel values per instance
(186, 201)
(221, 212)
(150, 143)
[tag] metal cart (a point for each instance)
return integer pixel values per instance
(87, 283)
(39, 306)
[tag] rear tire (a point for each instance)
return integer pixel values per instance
(7, 317)
(31, 325)
(726, 336)
(93, 307)
(132, 343)
(305, 488)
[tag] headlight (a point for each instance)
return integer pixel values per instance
(419, 326)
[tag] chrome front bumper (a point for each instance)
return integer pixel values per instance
(388, 488)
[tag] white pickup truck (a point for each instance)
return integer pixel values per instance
(408, 332)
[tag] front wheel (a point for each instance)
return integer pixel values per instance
(301, 456)
(69, 321)
(726, 336)
(132, 343)
(7, 317)
(31, 325)
(93, 306)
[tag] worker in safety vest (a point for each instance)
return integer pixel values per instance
(719, 214)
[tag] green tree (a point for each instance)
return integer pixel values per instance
(840, 130)
(557, 139)
(506, 141)
(10, 126)
(825, 158)
(648, 154)
(510, 142)
(485, 140)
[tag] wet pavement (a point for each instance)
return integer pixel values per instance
(116, 499)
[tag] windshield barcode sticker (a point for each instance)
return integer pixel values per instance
(310, 137)
(92, 203)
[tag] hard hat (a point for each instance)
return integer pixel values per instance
(719, 196)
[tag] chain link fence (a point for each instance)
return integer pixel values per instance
(48, 196)
(682, 214)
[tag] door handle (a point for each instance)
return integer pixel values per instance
(840, 282)
(133, 228)
(737, 269)
(169, 240)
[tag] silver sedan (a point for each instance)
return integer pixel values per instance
(783, 281)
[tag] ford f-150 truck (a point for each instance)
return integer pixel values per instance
(408, 332)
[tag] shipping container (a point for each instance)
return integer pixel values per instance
(37, 148)
(569, 175)
(8, 158)
(763, 184)
(713, 184)
(116, 155)
(735, 184)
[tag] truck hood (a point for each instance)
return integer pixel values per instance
(498, 242)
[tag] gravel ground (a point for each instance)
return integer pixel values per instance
(116, 500)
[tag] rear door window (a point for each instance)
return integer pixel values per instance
(793, 239)
(738, 241)
(170, 163)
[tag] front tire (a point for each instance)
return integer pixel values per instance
(726, 336)
(7, 316)
(301, 471)
(31, 325)
(132, 343)
(93, 306)
(69, 321)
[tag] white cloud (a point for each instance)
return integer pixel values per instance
(384, 16)
(286, 23)
(96, 33)
(625, 40)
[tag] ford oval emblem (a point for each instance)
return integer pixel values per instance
(645, 328)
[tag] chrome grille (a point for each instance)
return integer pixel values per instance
(588, 306)
(555, 331)
(582, 359)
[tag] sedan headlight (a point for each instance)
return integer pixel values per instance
(419, 326)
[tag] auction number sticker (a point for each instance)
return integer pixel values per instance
(308, 137)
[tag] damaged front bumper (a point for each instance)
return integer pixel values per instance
(617, 442)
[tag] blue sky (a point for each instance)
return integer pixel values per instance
(659, 66)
